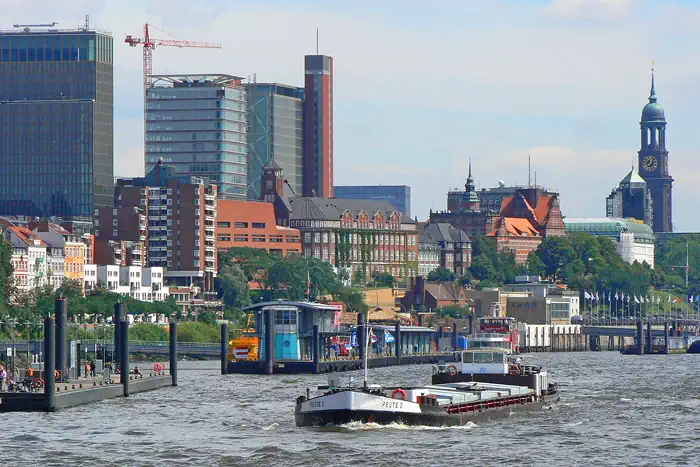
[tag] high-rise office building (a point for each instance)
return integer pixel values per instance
(197, 124)
(318, 126)
(398, 196)
(275, 131)
(56, 122)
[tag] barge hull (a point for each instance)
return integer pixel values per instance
(427, 417)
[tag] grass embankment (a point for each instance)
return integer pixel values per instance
(186, 332)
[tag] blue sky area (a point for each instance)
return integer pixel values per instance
(423, 86)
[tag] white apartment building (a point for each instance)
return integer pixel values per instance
(145, 284)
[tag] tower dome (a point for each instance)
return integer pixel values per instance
(653, 112)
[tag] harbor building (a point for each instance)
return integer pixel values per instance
(252, 224)
(56, 122)
(653, 162)
(198, 125)
(442, 246)
(145, 284)
(631, 199)
(633, 238)
(275, 132)
(398, 196)
(318, 126)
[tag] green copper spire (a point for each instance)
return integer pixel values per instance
(652, 93)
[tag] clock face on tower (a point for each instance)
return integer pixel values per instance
(650, 163)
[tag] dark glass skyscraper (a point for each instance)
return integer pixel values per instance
(56, 122)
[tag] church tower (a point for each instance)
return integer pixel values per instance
(653, 162)
(470, 201)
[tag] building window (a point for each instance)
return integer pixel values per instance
(286, 317)
(275, 238)
(240, 238)
(258, 225)
(240, 225)
(223, 224)
(223, 237)
(258, 239)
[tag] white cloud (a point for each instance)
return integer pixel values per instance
(590, 9)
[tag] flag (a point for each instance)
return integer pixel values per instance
(658, 299)
(616, 297)
(636, 300)
(623, 296)
(586, 295)
(372, 337)
(388, 338)
(597, 297)
(353, 337)
(669, 298)
(690, 299)
(609, 297)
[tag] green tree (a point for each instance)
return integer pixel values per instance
(232, 285)
(555, 253)
(383, 279)
(442, 275)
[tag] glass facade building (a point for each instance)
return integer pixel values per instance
(275, 131)
(56, 122)
(198, 125)
(398, 196)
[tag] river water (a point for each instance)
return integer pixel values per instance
(614, 410)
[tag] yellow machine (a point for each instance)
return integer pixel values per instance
(246, 346)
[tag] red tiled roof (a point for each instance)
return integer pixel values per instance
(516, 226)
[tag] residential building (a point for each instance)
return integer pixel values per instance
(198, 124)
(121, 233)
(252, 224)
(630, 199)
(192, 302)
(145, 284)
(181, 218)
(29, 256)
(67, 250)
(554, 308)
(633, 238)
(318, 126)
(56, 122)
(275, 132)
(526, 218)
(451, 246)
(653, 162)
(398, 196)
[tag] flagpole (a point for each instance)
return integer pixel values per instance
(366, 352)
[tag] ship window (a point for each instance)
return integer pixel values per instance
(285, 317)
(483, 357)
(467, 357)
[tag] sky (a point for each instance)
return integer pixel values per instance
(421, 87)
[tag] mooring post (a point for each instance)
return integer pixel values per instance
(117, 318)
(61, 344)
(397, 341)
(269, 342)
(224, 347)
(316, 349)
(640, 338)
(650, 344)
(667, 338)
(173, 353)
(77, 357)
(124, 357)
(49, 365)
(454, 335)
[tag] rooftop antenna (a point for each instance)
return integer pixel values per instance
(535, 179)
(87, 22)
(529, 180)
(316, 41)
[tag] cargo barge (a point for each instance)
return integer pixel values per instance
(455, 401)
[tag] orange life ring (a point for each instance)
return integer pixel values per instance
(398, 391)
(515, 370)
(157, 367)
(452, 370)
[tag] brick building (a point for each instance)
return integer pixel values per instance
(526, 218)
(253, 224)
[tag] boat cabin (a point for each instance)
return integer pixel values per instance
(491, 361)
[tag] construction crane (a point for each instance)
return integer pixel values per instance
(149, 43)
